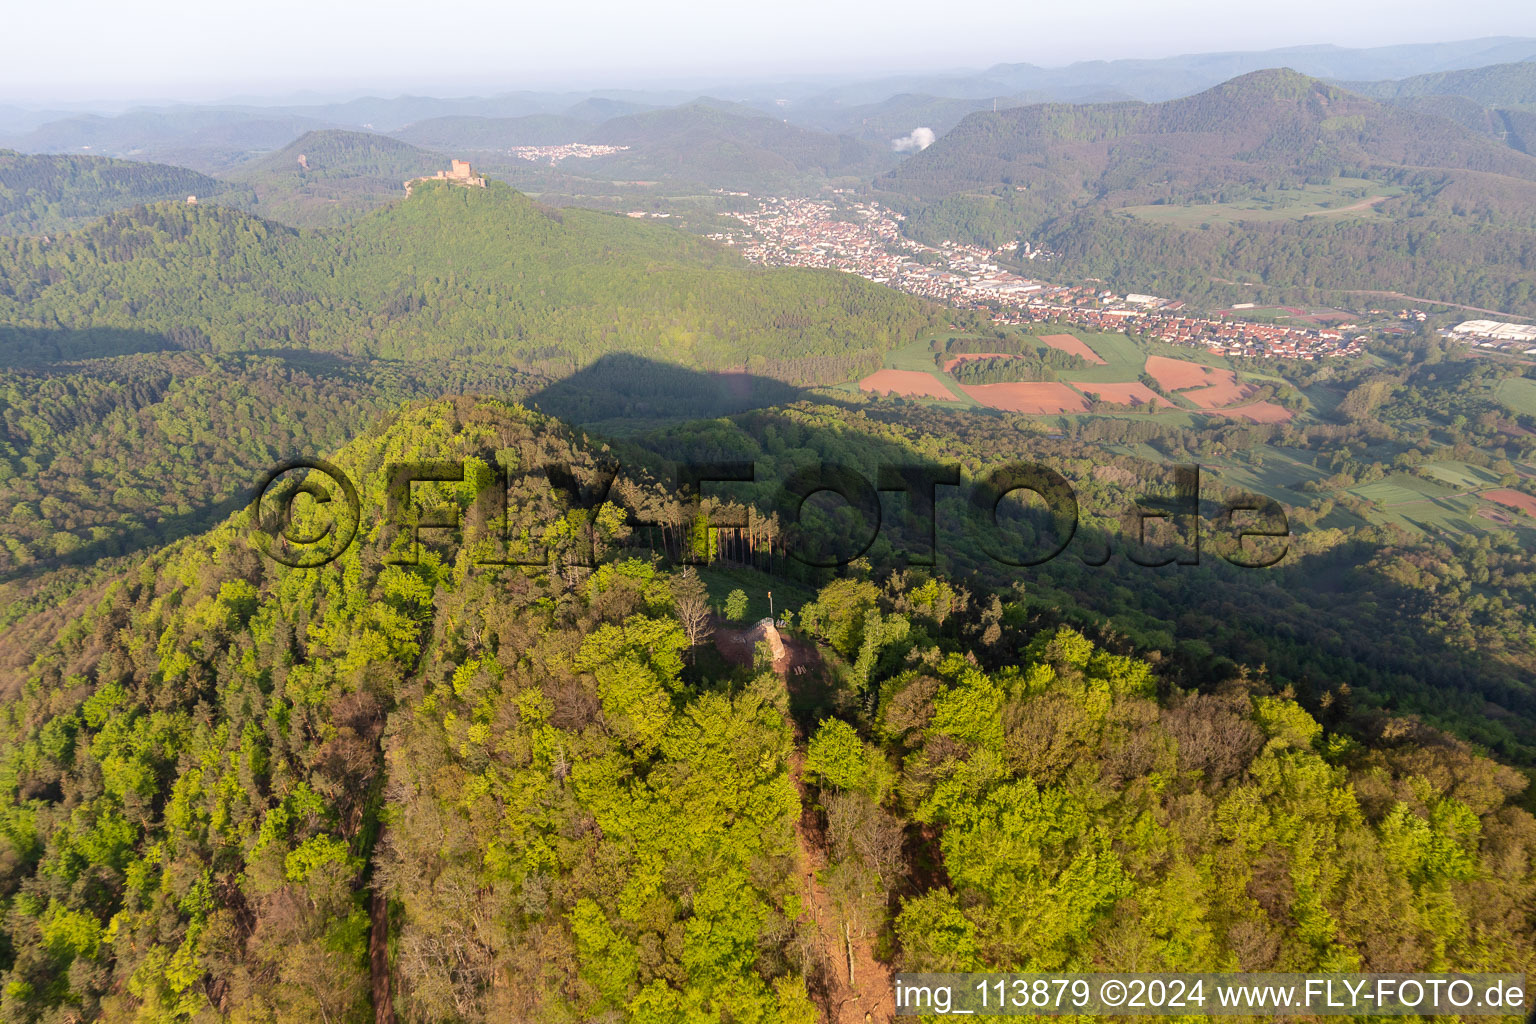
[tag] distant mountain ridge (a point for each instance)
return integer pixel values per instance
(204, 139)
(1497, 85)
(1449, 213)
(1164, 78)
(215, 136)
(1260, 125)
(720, 144)
(464, 132)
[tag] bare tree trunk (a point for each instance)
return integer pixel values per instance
(848, 942)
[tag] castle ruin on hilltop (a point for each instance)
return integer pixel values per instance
(460, 173)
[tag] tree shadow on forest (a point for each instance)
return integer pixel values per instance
(42, 346)
(1315, 621)
(626, 388)
(162, 531)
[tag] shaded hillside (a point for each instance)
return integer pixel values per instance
(455, 271)
(149, 441)
(704, 144)
(46, 193)
(1513, 127)
(330, 177)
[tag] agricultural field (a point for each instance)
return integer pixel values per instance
(1447, 497)
(1072, 345)
(1123, 358)
(1461, 475)
(1198, 381)
(1259, 412)
(1344, 198)
(1120, 393)
(1518, 395)
(908, 384)
(1459, 499)
(1029, 397)
(1511, 499)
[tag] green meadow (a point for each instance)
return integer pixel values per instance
(1518, 395)
(1351, 198)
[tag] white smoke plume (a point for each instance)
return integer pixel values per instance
(921, 138)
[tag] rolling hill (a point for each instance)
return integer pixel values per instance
(1497, 85)
(332, 176)
(727, 146)
(451, 272)
(253, 790)
(1269, 126)
(468, 134)
(1498, 101)
(891, 118)
(52, 193)
(1152, 195)
(1164, 78)
(209, 139)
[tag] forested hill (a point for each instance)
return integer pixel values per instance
(1267, 126)
(461, 134)
(727, 146)
(331, 176)
(1271, 187)
(452, 271)
(239, 792)
(1498, 85)
(41, 194)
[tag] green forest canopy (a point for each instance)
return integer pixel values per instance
(229, 782)
(467, 273)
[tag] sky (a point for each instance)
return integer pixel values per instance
(93, 50)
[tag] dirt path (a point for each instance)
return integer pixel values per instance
(868, 996)
(378, 958)
(1363, 204)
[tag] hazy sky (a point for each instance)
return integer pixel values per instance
(93, 49)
